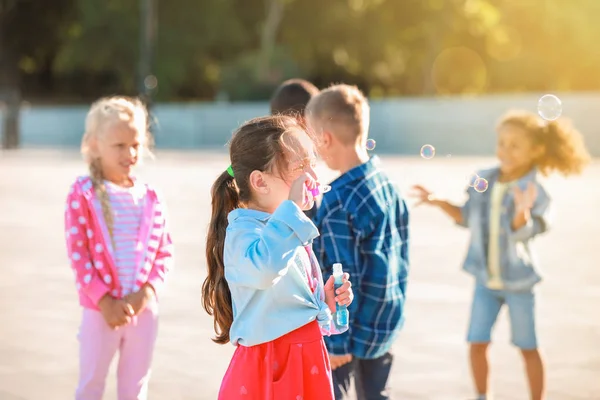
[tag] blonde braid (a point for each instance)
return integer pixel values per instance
(100, 188)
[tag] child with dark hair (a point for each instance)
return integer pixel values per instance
(291, 98)
(264, 285)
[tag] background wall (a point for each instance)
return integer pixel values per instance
(454, 125)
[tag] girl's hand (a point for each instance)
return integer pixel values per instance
(343, 296)
(300, 191)
(139, 300)
(123, 313)
(524, 200)
(422, 195)
(116, 312)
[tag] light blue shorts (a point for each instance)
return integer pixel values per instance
(521, 310)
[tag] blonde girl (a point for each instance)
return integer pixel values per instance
(119, 248)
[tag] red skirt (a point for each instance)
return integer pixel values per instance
(292, 367)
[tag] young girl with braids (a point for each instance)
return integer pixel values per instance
(120, 251)
(264, 286)
(504, 220)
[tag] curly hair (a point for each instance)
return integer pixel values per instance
(564, 147)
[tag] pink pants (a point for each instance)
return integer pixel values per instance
(98, 344)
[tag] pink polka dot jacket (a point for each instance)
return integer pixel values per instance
(90, 249)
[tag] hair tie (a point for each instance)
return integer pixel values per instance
(230, 171)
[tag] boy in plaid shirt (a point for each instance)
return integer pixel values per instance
(363, 222)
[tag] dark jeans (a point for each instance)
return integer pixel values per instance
(370, 378)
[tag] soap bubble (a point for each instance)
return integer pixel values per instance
(427, 151)
(150, 82)
(371, 144)
(481, 185)
(471, 179)
(549, 107)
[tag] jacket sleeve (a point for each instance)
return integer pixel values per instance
(465, 209)
(333, 329)
(163, 263)
(77, 229)
(257, 255)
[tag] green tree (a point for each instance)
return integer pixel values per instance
(86, 48)
(31, 34)
(104, 41)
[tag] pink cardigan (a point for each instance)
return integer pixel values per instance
(90, 249)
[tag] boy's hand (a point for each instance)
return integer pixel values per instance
(338, 361)
(343, 296)
(116, 312)
(139, 300)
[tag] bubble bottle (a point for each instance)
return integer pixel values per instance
(341, 312)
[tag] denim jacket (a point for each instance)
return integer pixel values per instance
(518, 263)
(268, 263)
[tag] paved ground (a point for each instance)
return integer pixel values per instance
(39, 312)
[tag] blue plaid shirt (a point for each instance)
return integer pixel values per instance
(363, 223)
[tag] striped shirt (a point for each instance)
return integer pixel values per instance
(127, 205)
(363, 222)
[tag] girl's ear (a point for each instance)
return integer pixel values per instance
(259, 182)
(93, 149)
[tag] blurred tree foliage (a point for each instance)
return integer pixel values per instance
(31, 35)
(241, 49)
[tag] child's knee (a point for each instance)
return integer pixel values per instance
(479, 348)
(530, 354)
